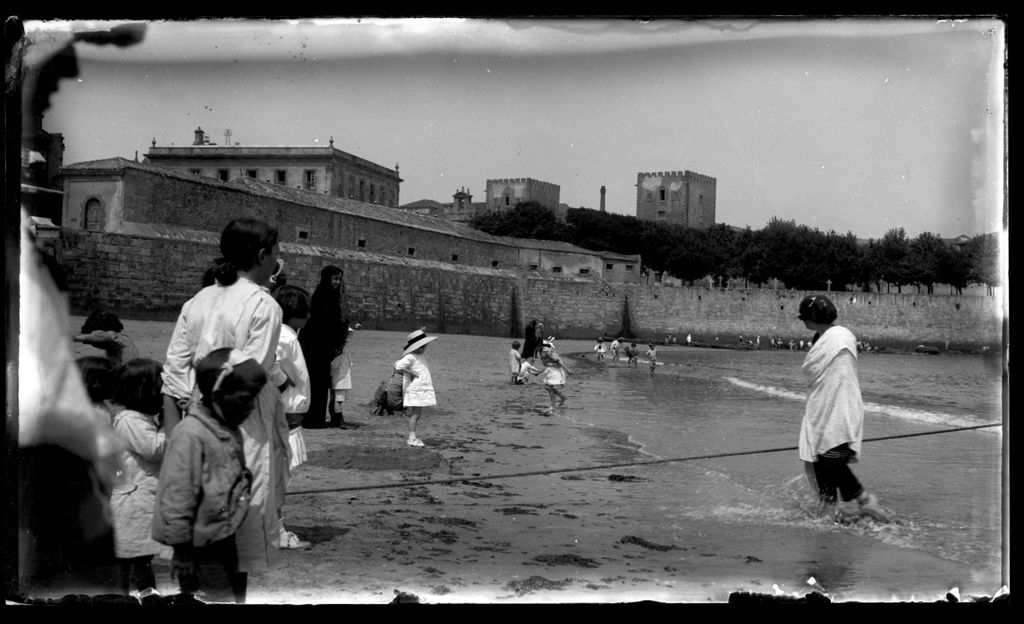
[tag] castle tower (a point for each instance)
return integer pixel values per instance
(200, 137)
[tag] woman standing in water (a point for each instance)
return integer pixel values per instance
(321, 339)
(833, 423)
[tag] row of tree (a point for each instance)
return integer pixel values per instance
(795, 255)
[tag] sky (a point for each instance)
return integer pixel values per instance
(851, 125)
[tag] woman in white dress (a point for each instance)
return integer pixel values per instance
(238, 312)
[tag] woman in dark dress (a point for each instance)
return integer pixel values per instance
(530, 343)
(325, 331)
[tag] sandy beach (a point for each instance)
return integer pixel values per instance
(459, 522)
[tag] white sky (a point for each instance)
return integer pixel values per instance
(841, 124)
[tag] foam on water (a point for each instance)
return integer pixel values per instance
(906, 413)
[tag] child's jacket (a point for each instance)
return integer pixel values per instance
(204, 485)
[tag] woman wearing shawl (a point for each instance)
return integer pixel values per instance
(321, 338)
(832, 428)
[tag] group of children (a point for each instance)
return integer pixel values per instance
(521, 367)
(629, 350)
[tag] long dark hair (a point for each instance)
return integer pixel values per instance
(240, 243)
(326, 274)
(137, 386)
(98, 375)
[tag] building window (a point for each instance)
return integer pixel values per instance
(302, 233)
(310, 179)
(533, 267)
(373, 194)
(609, 266)
(584, 271)
(494, 264)
(251, 173)
(700, 198)
(412, 251)
(361, 242)
(662, 194)
(280, 176)
(556, 269)
(507, 200)
(195, 171)
(222, 174)
(629, 267)
(362, 190)
(455, 257)
(93, 218)
(661, 213)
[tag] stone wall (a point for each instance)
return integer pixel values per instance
(151, 276)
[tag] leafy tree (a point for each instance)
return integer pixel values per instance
(894, 250)
(526, 220)
(983, 252)
(954, 268)
(924, 260)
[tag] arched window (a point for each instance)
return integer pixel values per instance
(93, 217)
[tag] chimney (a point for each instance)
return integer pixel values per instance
(602, 198)
(200, 136)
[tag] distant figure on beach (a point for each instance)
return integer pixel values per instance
(417, 385)
(631, 354)
(530, 340)
(515, 361)
(205, 487)
(599, 349)
(555, 374)
(538, 338)
(652, 356)
(105, 331)
(614, 348)
(689, 340)
(832, 427)
(321, 339)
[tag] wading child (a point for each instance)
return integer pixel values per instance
(105, 331)
(598, 348)
(417, 386)
(341, 381)
(652, 355)
(292, 378)
(205, 486)
(555, 374)
(515, 361)
(615, 349)
(631, 354)
(526, 368)
(137, 389)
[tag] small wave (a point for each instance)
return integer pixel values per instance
(905, 413)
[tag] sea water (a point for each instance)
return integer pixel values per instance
(700, 405)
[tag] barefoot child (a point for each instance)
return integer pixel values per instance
(652, 355)
(205, 486)
(515, 361)
(341, 380)
(554, 376)
(417, 386)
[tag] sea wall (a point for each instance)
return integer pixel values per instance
(149, 277)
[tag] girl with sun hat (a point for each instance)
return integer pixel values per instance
(417, 386)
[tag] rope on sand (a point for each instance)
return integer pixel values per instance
(650, 462)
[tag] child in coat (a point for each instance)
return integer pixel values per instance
(292, 379)
(554, 376)
(137, 389)
(205, 486)
(417, 385)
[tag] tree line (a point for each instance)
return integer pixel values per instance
(782, 254)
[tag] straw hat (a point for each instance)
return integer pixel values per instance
(417, 339)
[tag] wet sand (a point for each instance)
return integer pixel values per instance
(565, 537)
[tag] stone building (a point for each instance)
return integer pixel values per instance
(121, 196)
(505, 193)
(461, 209)
(676, 197)
(326, 170)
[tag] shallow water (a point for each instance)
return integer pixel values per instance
(944, 490)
